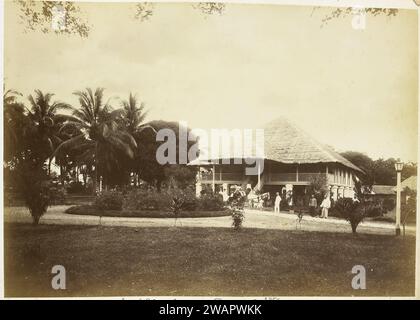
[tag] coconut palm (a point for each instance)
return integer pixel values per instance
(9, 96)
(131, 118)
(15, 123)
(44, 115)
(133, 115)
(95, 132)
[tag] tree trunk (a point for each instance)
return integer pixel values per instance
(95, 172)
(353, 227)
(35, 220)
(77, 174)
(62, 175)
(49, 166)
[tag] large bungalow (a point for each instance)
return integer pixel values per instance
(292, 159)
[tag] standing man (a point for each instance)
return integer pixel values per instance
(325, 205)
(277, 203)
(313, 204)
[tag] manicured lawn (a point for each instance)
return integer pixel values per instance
(104, 261)
(91, 210)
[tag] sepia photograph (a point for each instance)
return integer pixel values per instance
(210, 150)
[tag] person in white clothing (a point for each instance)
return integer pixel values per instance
(277, 202)
(325, 205)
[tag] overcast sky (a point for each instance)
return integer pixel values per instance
(351, 89)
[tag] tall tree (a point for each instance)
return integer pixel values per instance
(27, 147)
(95, 131)
(133, 115)
(45, 116)
(380, 171)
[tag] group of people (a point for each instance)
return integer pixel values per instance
(313, 205)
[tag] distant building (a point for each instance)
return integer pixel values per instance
(408, 186)
(380, 193)
(292, 159)
(383, 190)
(410, 183)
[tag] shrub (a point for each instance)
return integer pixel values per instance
(176, 201)
(152, 200)
(76, 187)
(237, 202)
(237, 219)
(145, 200)
(373, 210)
(109, 200)
(408, 209)
(351, 211)
(210, 202)
(57, 194)
(35, 188)
(388, 205)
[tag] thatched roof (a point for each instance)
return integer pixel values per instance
(286, 143)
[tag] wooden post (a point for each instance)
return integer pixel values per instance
(326, 172)
(398, 205)
(259, 178)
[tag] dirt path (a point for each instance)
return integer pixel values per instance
(253, 219)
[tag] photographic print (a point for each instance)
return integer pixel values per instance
(210, 149)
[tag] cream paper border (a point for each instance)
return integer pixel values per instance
(398, 4)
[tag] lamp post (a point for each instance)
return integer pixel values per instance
(398, 168)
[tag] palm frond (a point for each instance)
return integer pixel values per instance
(71, 143)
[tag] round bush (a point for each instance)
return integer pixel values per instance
(109, 200)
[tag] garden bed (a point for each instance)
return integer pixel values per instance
(94, 211)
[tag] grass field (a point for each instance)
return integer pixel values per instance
(106, 261)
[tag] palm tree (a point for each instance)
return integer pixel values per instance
(133, 115)
(96, 132)
(44, 115)
(13, 119)
(9, 96)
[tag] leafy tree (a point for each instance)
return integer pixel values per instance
(342, 12)
(146, 165)
(180, 176)
(39, 15)
(380, 171)
(364, 162)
